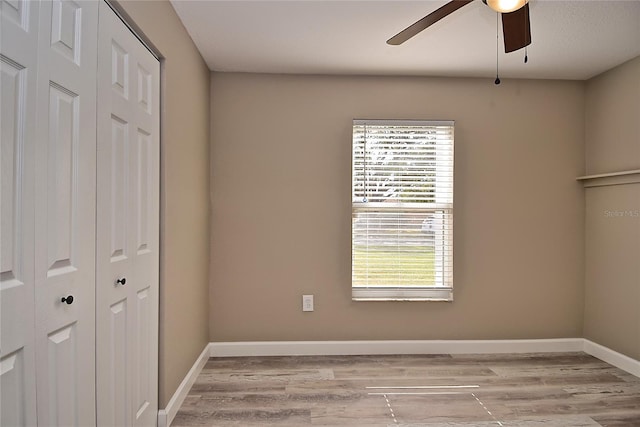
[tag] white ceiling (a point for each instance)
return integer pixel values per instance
(571, 39)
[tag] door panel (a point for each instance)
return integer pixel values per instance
(119, 178)
(18, 73)
(65, 29)
(61, 194)
(127, 225)
(117, 398)
(62, 394)
(13, 389)
(65, 185)
(13, 105)
(17, 12)
(143, 191)
(143, 354)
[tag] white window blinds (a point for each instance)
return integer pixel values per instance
(402, 210)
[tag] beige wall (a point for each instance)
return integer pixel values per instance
(613, 120)
(185, 215)
(612, 255)
(280, 185)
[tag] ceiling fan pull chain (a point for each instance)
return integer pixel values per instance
(528, 25)
(497, 80)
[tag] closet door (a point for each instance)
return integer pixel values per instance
(65, 187)
(18, 72)
(127, 227)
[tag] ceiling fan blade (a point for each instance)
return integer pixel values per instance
(427, 21)
(516, 28)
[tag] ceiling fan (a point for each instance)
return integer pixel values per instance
(515, 22)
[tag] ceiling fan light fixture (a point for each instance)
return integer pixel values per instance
(506, 6)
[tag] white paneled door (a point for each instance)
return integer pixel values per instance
(127, 227)
(79, 219)
(18, 68)
(48, 212)
(65, 188)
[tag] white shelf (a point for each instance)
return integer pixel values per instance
(612, 178)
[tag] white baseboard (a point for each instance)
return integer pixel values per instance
(612, 357)
(339, 348)
(333, 348)
(166, 415)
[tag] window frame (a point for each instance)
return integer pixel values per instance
(443, 288)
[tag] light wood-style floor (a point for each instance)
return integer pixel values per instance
(556, 390)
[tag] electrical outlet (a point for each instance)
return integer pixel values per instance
(307, 302)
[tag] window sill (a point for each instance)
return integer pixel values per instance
(402, 294)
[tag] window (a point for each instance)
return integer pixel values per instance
(402, 210)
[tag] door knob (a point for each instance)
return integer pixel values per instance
(121, 281)
(68, 300)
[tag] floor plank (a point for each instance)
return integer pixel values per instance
(525, 390)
